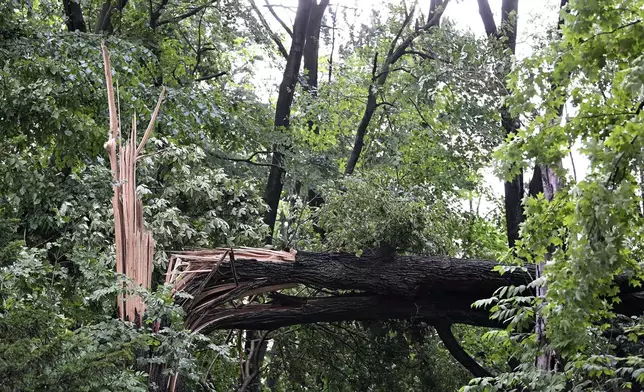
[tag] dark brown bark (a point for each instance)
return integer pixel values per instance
(104, 23)
(379, 78)
(444, 332)
(487, 17)
(155, 13)
(311, 55)
(438, 289)
(283, 111)
(514, 190)
(312, 46)
(509, 14)
(74, 15)
(536, 186)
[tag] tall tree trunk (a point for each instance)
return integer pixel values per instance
(312, 47)
(513, 189)
(104, 23)
(311, 68)
(274, 184)
(74, 15)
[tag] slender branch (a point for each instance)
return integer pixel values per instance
(385, 104)
(213, 76)
(422, 117)
(274, 37)
(613, 31)
(186, 15)
(404, 25)
(249, 159)
(281, 22)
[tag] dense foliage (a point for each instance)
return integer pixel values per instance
(421, 187)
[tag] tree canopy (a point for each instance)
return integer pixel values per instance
(363, 148)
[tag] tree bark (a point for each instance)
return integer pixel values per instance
(104, 23)
(74, 15)
(274, 184)
(487, 17)
(444, 332)
(513, 189)
(312, 46)
(436, 289)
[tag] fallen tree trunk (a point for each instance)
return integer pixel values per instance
(434, 289)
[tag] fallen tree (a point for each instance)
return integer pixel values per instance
(437, 290)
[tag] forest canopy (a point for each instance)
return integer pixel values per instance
(321, 185)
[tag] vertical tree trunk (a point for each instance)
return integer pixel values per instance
(104, 23)
(74, 15)
(514, 191)
(311, 68)
(274, 184)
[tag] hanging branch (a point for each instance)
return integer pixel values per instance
(444, 331)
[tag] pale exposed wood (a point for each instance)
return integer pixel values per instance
(134, 244)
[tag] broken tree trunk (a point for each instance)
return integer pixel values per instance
(134, 244)
(434, 289)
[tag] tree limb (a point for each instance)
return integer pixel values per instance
(186, 15)
(249, 160)
(213, 76)
(444, 331)
(273, 35)
(281, 22)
